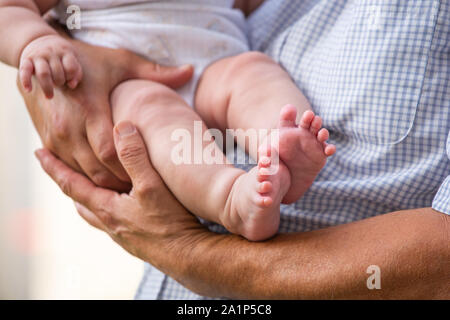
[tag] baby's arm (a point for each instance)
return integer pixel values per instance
(29, 43)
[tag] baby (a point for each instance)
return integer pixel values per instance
(232, 88)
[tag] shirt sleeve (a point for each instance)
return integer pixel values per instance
(441, 201)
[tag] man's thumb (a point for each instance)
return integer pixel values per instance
(173, 77)
(134, 157)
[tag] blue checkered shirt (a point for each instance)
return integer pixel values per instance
(378, 73)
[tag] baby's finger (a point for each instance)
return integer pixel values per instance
(59, 77)
(72, 70)
(76, 80)
(44, 76)
(25, 73)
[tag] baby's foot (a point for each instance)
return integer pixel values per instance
(285, 171)
(256, 198)
(302, 149)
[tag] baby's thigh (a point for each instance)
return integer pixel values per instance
(157, 111)
(230, 79)
(140, 100)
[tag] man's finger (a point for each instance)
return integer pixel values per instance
(173, 77)
(134, 157)
(74, 184)
(99, 130)
(96, 171)
(89, 216)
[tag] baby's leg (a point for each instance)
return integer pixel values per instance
(158, 112)
(205, 189)
(252, 91)
(247, 91)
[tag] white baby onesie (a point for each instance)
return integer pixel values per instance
(168, 32)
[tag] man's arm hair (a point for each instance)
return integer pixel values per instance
(411, 248)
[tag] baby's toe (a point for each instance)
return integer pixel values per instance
(306, 120)
(264, 150)
(323, 135)
(265, 187)
(264, 202)
(288, 116)
(268, 201)
(316, 125)
(264, 162)
(329, 149)
(263, 174)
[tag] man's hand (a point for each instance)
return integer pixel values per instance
(144, 222)
(76, 125)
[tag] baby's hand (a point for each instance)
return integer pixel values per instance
(53, 60)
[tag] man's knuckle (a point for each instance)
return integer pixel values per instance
(107, 153)
(61, 133)
(145, 188)
(60, 128)
(100, 178)
(104, 206)
(108, 220)
(119, 231)
(48, 141)
(65, 184)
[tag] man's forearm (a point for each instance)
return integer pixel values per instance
(410, 247)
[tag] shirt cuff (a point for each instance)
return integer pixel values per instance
(441, 201)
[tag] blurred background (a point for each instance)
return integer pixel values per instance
(46, 250)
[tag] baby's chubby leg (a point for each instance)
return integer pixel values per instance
(251, 91)
(247, 91)
(158, 112)
(245, 203)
